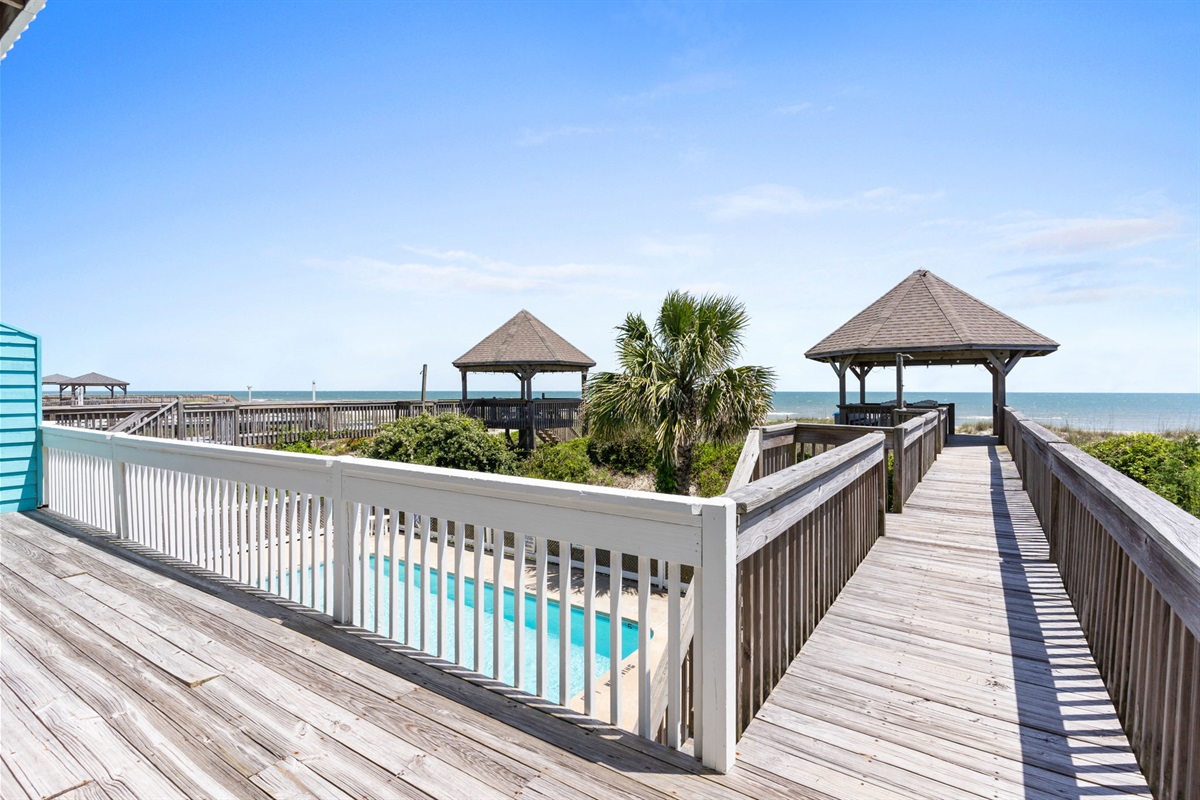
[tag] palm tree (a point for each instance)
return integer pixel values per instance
(679, 383)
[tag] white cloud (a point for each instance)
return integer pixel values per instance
(794, 109)
(693, 84)
(1064, 296)
(532, 138)
(773, 198)
(1087, 235)
(675, 246)
(1077, 284)
(453, 271)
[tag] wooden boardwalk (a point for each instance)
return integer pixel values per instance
(952, 664)
(124, 676)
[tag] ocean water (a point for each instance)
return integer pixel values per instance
(1080, 410)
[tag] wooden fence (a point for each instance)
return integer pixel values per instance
(802, 531)
(811, 501)
(913, 447)
(879, 415)
(397, 549)
(1130, 561)
(272, 424)
(92, 417)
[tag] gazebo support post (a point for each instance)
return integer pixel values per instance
(899, 382)
(464, 387)
(861, 372)
(840, 368)
(1000, 366)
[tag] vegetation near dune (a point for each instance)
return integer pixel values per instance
(1167, 463)
(1171, 468)
(678, 383)
(448, 440)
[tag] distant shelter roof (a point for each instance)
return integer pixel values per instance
(524, 342)
(932, 321)
(57, 378)
(96, 379)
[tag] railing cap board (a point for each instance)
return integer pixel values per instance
(633, 524)
(295, 471)
(755, 496)
(779, 435)
(1042, 434)
(633, 503)
(819, 433)
(766, 511)
(1161, 538)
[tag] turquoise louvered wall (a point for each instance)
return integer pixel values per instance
(20, 415)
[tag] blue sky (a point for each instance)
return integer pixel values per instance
(205, 195)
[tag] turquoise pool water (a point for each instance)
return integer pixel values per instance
(628, 639)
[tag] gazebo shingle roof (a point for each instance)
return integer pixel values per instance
(96, 379)
(57, 378)
(934, 321)
(524, 341)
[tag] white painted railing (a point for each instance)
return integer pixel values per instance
(401, 550)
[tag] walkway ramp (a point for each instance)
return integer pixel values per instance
(952, 664)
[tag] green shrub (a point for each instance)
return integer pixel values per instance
(567, 462)
(713, 466)
(302, 446)
(629, 456)
(449, 440)
(1168, 468)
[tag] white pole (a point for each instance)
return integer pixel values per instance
(249, 393)
(314, 391)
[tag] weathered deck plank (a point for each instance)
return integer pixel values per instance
(952, 664)
(298, 706)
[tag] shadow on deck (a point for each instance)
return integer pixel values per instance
(138, 675)
(952, 664)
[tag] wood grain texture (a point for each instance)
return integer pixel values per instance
(302, 708)
(952, 663)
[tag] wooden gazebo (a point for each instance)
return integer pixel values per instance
(524, 346)
(925, 321)
(59, 380)
(96, 379)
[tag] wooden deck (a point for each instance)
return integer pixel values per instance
(950, 666)
(126, 676)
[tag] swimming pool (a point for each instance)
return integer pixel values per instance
(628, 638)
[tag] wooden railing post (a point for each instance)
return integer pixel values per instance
(715, 631)
(343, 550)
(120, 500)
(180, 421)
(898, 469)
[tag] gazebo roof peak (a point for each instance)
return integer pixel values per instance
(524, 341)
(932, 320)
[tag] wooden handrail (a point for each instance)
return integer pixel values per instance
(1130, 561)
(771, 505)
